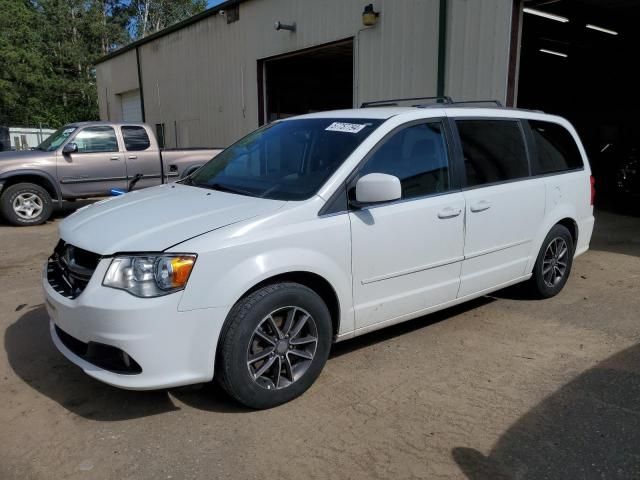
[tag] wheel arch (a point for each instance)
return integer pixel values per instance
(313, 281)
(36, 177)
(565, 217)
(571, 225)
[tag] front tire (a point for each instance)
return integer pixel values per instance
(25, 204)
(553, 265)
(274, 345)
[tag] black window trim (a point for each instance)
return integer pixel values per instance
(534, 148)
(460, 160)
(82, 129)
(337, 202)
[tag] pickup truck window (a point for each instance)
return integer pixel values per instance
(96, 139)
(287, 160)
(135, 138)
(56, 139)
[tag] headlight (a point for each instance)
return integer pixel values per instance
(149, 275)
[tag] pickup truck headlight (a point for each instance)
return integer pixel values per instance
(149, 275)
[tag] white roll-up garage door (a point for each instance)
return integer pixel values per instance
(131, 106)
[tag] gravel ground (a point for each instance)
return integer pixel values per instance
(503, 387)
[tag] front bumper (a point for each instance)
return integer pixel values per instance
(171, 347)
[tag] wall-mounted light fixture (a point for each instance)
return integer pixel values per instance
(283, 26)
(369, 16)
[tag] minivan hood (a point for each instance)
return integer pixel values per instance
(154, 219)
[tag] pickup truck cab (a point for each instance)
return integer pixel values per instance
(89, 159)
(311, 230)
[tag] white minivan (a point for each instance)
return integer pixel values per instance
(313, 230)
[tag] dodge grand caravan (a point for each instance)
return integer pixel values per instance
(312, 230)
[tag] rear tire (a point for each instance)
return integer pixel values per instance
(553, 265)
(26, 204)
(274, 345)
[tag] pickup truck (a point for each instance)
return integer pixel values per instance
(85, 160)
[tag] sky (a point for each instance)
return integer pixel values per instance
(212, 3)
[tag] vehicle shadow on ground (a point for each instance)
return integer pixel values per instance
(404, 328)
(589, 428)
(35, 359)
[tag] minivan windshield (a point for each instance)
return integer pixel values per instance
(56, 139)
(286, 160)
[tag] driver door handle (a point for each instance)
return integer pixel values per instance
(481, 206)
(115, 157)
(449, 212)
(132, 157)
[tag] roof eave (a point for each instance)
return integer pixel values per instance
(166, 31)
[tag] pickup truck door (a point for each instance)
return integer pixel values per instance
(97, 166)
(141, 156)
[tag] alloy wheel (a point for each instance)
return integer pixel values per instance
(554, 263)
(282, 347)
(28, 205)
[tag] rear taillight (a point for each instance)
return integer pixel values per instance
(593, 190)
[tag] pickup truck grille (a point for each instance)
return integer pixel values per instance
(70, 268)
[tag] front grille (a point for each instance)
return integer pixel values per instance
(104, 356)
(70, 268)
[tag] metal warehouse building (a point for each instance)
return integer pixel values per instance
(216, 76)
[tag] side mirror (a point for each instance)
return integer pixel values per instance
(70, 148)
(377, 188)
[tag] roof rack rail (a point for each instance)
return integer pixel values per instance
(497, 103)
(394, 101)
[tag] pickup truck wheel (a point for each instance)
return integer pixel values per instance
(553, 265)
(26, 204)
(274, 345)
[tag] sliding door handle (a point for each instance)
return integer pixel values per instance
(480, 206)
(449, 212)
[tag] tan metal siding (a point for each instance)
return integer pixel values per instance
(117, 76)
(478, 40)
(203, 78)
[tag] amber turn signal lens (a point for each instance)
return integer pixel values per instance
(181, 269)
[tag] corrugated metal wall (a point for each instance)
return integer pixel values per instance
(116, 76)
(202, 81)
(478, 41)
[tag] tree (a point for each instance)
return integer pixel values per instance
(48, 49)
(151, 16)
(23, 68)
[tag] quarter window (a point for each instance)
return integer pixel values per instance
(135, 138)
(555, 147)
(417, 155)
(96, 139)
(494, 151)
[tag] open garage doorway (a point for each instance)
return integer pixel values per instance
(312, 80)
(578, 60)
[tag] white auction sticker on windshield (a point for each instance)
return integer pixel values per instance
(345, 127)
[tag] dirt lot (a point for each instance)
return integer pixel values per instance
(504, 387)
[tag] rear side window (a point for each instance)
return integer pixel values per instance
(417, 155)
(494, 151)
(135, 138)
(555, 148)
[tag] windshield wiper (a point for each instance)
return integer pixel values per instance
(224, 188)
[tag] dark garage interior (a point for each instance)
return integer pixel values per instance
(581, 63)
(309, 81)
